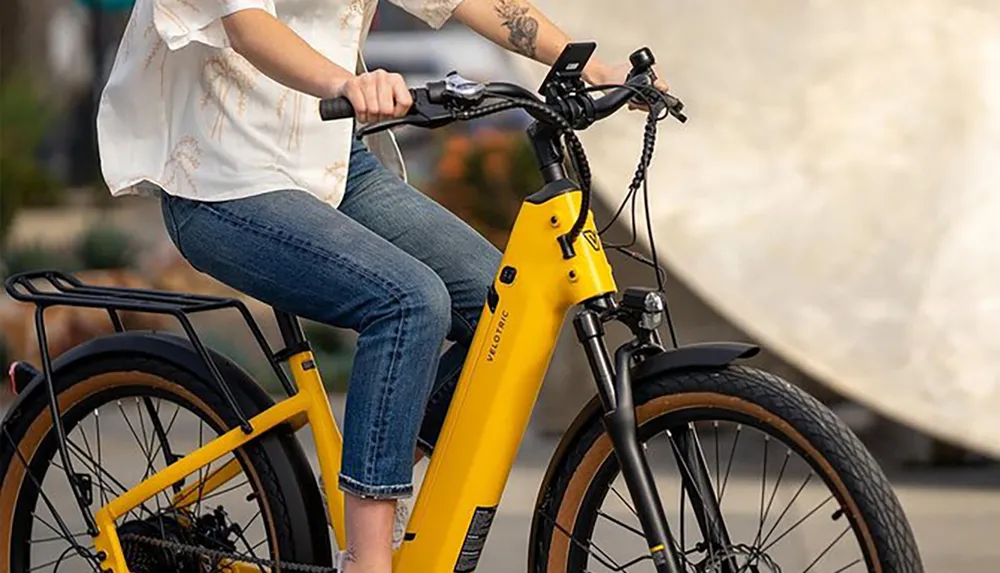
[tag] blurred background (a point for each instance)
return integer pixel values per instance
(55, 212)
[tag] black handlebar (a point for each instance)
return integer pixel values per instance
(567, 107)
(434, 104)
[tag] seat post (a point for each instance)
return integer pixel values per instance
(291, 330)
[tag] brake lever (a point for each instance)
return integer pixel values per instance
(422, 113)
(674, 105)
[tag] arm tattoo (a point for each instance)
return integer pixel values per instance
(523, 28)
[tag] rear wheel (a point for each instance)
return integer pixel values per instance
(797, 490)
(126, 418)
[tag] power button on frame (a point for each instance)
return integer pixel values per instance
(507, 275)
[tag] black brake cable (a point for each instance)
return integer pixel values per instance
(581, 165)
(640, 179)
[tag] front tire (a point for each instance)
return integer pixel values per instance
(570, 509)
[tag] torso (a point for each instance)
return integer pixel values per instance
(184, 111)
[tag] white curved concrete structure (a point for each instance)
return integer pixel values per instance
(836, 192)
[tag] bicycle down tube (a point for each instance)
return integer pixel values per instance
(496, 392)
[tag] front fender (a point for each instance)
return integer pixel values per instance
(707, 355)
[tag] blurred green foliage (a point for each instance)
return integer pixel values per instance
(24, 119)
(334, 366)
(35, 256)
(324, 338)
(103, 246)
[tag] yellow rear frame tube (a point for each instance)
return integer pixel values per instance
(496, 393)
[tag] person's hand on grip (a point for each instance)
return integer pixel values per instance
(377, 96)
(615, 75)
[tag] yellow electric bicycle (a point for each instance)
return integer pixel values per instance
(148, 452)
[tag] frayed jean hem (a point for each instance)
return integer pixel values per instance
(358, 489)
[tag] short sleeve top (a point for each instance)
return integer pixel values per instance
(183, 111)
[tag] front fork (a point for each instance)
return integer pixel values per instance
(614, 386)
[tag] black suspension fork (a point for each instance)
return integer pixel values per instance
(614, 386)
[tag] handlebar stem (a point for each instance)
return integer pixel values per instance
(548, 151)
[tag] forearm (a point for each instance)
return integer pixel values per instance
(281, 54)
(520, 27)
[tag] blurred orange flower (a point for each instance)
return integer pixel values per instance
(491, 138)
(457, 145)
(483, 179)
(451, 166)
(497, 166)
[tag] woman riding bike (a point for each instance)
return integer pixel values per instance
(211, 105)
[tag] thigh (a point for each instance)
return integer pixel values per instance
(292, 251)
(466, 262)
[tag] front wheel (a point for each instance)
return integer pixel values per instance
(797, 491)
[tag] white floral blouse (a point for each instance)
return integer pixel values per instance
(183, 111)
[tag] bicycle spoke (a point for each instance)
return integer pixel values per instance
(63, 528)
(848, 566)
(250, 550)
(797, 523)
(788, 507)
(61, 535)
(161, 435)
(226, 490)
(763, 488)
(55, 561)
(149, 463)
(258, 544)
(60, 538)
(170, 426)
(622, 499)
(100, 462)
(75, 547)
(203, 471)
(147, 444)
(827, 550)
(770, 502)
(100, 471)
(729, 467)
(150, 467)
(621, 524)
(247, 526)
(682, 516)
(574, 541)
(86, 442)
(718, 466)
(145, 452)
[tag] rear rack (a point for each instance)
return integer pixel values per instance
(63, 289)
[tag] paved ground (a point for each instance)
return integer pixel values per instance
(955, 513)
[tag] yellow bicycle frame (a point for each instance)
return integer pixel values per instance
(486, 421)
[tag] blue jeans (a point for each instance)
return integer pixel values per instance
(390, 263)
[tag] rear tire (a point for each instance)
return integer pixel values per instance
(747, 396)
(272, 466)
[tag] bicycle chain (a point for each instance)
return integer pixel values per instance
(215, 554)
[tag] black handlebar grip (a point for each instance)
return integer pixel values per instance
(336, 108)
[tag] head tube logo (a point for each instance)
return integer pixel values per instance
(593, 239)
